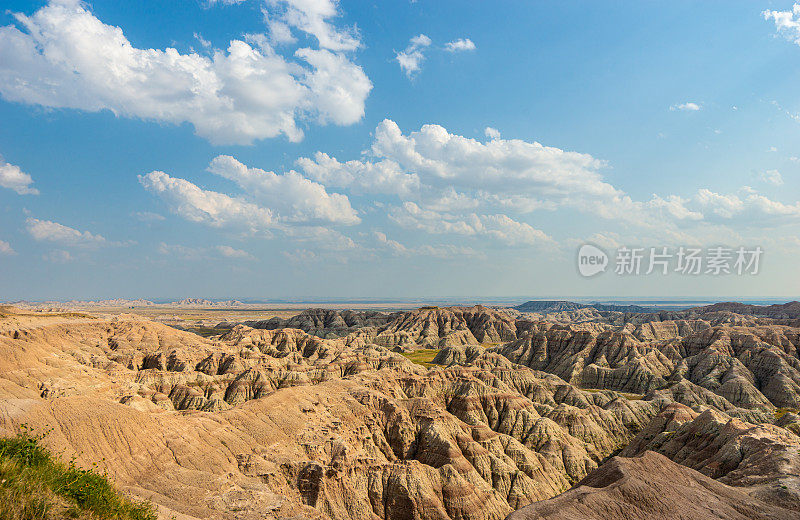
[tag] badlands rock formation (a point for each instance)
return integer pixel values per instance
(322, 322)
(647, 487)
(438, 327)
(432, 327)
(765, 458)
(556, 306)
(753, 367)
(790, 310)
(287, 423)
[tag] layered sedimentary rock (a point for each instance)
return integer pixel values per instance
(647, 487)
(557, 306)
(755, 367)
(763, 458)
(790, 310)
(613, 360)
(442, 327)
(322, 322)
(283, 421)
(277, 423)
(425, 327)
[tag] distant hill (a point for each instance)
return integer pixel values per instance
(199, 302)
(551, 306)
(623, 308)
(116, 302)
(790, 310)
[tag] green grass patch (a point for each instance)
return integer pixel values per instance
(422, 356)
(206, 332)
(626, 395)
(74, 315)
(34, 485)
(780, 412)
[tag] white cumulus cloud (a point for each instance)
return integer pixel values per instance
(686, 107)
(294, 197)
(287, 202)
(500, 227)
(442, 251)
(773, 177)
(204, 206)
(723, 205)
(13, 178)
(492, 133)
(753, 207)
(786, 22)
(181, 251)
(509, 231)
(6, 249)
(773, 207)
(58, 256)
(459, 45)
(202, 253)
(62, 56)
(411, 58)
(360, 176)
(46, 230)
(445, 183)
(441, 158)
(673, 207)
(231, 252)
(311, 17)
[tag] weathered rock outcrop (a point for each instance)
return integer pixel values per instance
(754, 368)
(324, 323)
(442, 327)
(764, 458)
(647, 487)
(277, 423)
(285, 422)
(790, 310)
(612, 360)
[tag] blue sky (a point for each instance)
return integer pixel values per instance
(301, 149)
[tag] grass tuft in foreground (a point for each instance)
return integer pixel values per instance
(34, 485)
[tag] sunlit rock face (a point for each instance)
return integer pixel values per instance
(336, 422)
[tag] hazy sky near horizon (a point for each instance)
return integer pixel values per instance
(314, 148)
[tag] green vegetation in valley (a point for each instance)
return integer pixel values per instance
(780, 412)
(422, 357)
(34, 485)
(207, 332)
(626, 395)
